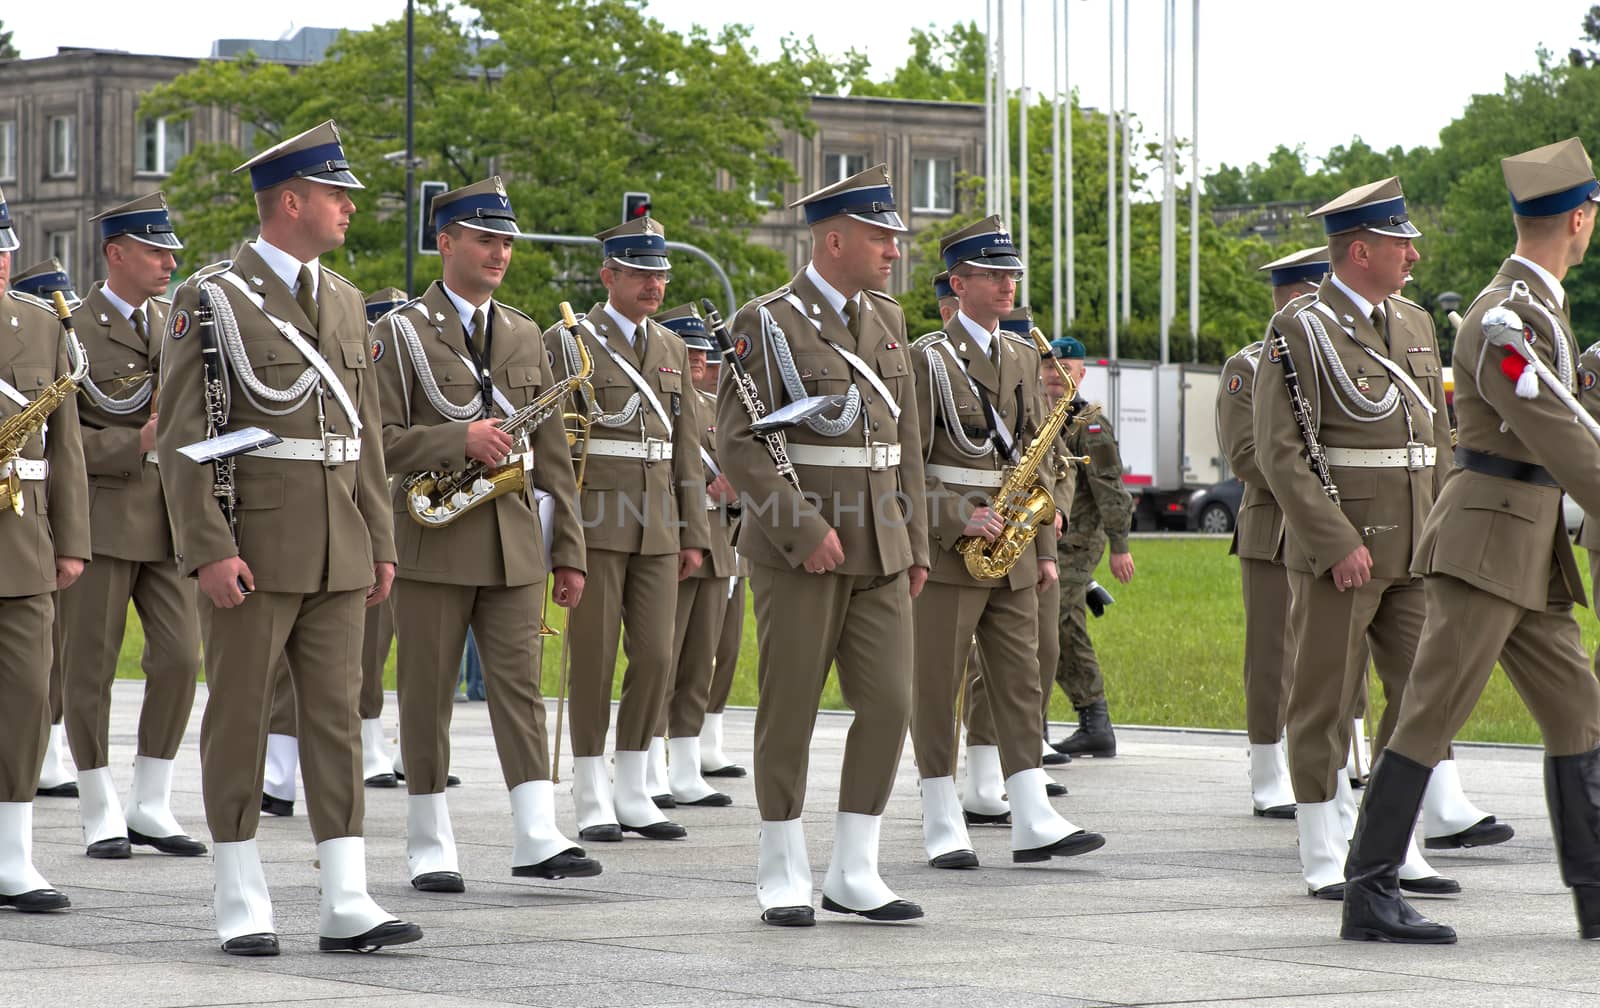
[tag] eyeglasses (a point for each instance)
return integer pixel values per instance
(641, 277)
(992, 276)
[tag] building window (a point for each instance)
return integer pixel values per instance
(63, 146)
(837, 167)
(8, 150)
(934, 185)
(61, 245)
(162, 142)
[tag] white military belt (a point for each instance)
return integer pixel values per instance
(987, 478)
(332, 450)
(650, 449)
(26, 469)
(1412, 456)
(876, 457)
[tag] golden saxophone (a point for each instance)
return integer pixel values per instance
(435, 498)
(1022, 504)
(20, 427)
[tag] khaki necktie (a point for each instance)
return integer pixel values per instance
(137, 318)
(476, 336)
(852, 318)
(306, 297)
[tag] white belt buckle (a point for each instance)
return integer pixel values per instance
(334, 450)
(878, 456)
(655, 450)
(1416, 455)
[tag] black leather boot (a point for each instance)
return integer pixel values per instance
(1374, 910)
(1094, 736)
(1571, 787)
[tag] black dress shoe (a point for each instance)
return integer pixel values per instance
(607, 833)
(385, 780)
(664, 801)
(252, 945)
(570, 863)
(1480, 834)
(734, 770)
(36, 901)
(985, 819)
(955, 859)
(1081, 842)
(450, 780)
(114, 849)
(664, 830)
(388, 933)
(1433, 885)
(178, 845)
(276, 806)
(895, 910)
(1054, 758)
(67, 790)
(439, 881)
(715, 799)
(1054, 790)
(1276, 812)
(1334, 892)
(795, 916)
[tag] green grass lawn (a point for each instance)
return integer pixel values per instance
(1171, 648)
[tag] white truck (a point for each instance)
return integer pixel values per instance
(1165, 419)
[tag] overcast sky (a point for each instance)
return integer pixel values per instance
(1388, 71)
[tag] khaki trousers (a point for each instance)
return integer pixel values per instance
(731, 636)
(805, 623)
(1006, 623)
(1078, 668)
(1466, 631)
(431, 622)
(702, 606)
(26, 642)
(375, 641)
(1329, 627)
(1268, 651)
(626, 592)
(95, 613)
(319, 636)
(58, 677)
(282, 721)
(980, 722)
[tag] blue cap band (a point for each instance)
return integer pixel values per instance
(298, 164)
(5, 215)
(635, 246)
(44, 283)
(1298, 273)
(1373, 216)
(1557, 202)
(144, 222)
(995, 250)
(685, 325)
(855, 202)
(1019, 326)
(941, 288)
(378, 309)
(483, 207)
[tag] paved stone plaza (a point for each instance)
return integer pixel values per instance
(1192, 901)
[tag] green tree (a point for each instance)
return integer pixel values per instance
(571, 102)
(948, 67)
(8, 49)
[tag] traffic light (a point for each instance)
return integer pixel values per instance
(635, 205)
(427, 237)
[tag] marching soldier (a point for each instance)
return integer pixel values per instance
(980, 405)
(454, 365)
(643, 478)
(1102, 512)
(44, 278)
(836, 562)
(120, 325)
(1368, 357)
(703, 596)
(296, 336)
(944, 296)
(730, 632)
(1498, 571)
(44, 498)
(1258, 542)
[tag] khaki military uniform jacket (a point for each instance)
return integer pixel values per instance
(1258, 530)
(879, 515)
(1504, 536)
(1100, 503)
(1589, 395)
(498, 543)
(303, 527)
(1320, 532)
(126, 506)
(616, 491)
(55, 518)
(1013, 390)
(721, 560)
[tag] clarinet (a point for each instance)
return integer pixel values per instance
(1302, 416)
(745, 388)
(223, 485)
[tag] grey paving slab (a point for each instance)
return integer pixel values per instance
(1192, 901)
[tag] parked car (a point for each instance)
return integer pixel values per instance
(1216, 508)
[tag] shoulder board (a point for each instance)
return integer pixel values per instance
(516, 311)
(29, 299)
(927, 340)
(1592, 350)
(161, 299)
(763, 300)
(338, 276)
(1405, 300)
(399, 308)
(882, 296)
(1013, 337)
(208, 270)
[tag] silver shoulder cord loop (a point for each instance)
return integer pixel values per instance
(1564, 366)
(630, 409)
(1373, 410)
(254, 389)
(471, 410)
(131, 403)
(945, 403)
(778, 347)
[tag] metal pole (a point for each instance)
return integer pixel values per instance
(1003, 113)
(1194, 185)
(1066, 142)
(1055, 168)
(1167, 237)
(1111, 179)
(990, 194)
(411, 161)
(1022, 146)
(1127, 177)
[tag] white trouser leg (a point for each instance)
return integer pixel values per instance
(655, 781)
(1269, 777)
(17, 873)
(591, 792)
(683, 771)
(783, 872)
(852, 880)
(533, 818)
(430, 839)
(1446, 809)
(150, 811)
(242, 904)
(56, 770)
(375, 759)
(283, 760)
(1323, 844)
(99, 806)
(634, 807)
(984, 790)
(711, 755)
(346, 910)
(944, 831)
